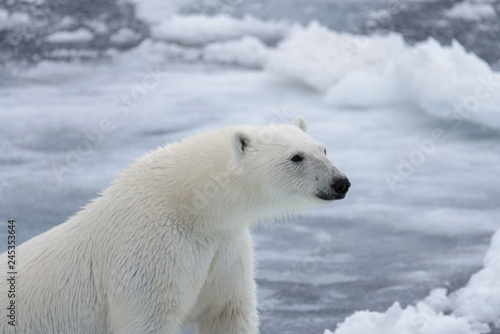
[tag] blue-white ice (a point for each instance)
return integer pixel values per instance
(425, 196)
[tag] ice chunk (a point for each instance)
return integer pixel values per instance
(411, 320)
(155, 11)
(202, 29)
(479, 301)
(77, 36)
(469, 310)
(4, 16)
(377, 71)
(12, 20)
(321, 58)
(248, 52)
(471, 11)
(124, 36)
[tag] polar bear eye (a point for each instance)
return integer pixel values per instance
(297, 158)
(325, 151)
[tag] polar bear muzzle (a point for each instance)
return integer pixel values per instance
(338, 189)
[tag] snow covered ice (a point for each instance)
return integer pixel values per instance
(469, 310)
(415, 127)
(388, 72)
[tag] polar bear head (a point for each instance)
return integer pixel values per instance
(286, 167)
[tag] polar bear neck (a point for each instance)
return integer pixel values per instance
(197, 178)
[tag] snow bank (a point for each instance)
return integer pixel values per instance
(469, 310)
(378, 71)
(199, 30)
(471, 11)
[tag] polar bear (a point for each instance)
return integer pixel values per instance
(168, 243)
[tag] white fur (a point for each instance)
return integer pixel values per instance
(168, 244)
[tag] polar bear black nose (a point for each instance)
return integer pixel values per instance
(341, 186)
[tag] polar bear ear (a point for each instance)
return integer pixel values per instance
(300, 122)
(240, 142)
